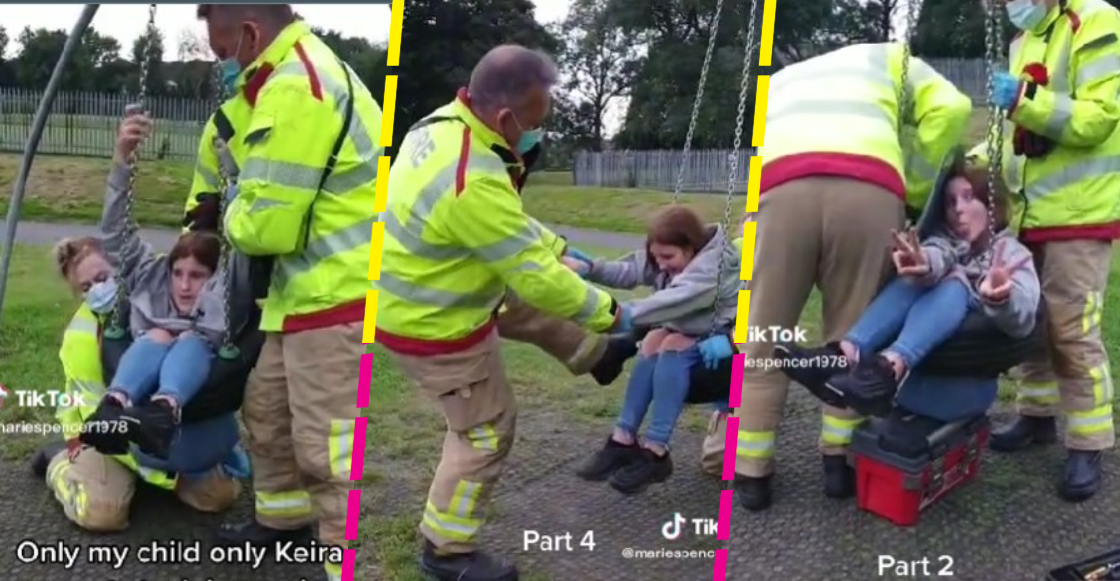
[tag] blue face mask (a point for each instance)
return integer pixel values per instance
(231, 69)
(102, 297)
(529, 140)
(1025, 14)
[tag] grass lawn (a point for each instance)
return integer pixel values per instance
(70, 189)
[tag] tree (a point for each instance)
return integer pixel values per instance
(600, 64)
(442, 40)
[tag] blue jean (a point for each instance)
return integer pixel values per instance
(200, 447)
(178, 369)
(659, 383)
(917, 319)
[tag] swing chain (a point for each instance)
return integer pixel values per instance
(733, 158)
(699, 99)
(130, 225)
(228, 349)
(905, 95)
(992, 56)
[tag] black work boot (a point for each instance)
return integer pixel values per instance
(839, 478)
(107, 430)
(155, 425)
(476, 566)
(813, 367)
(869, 388)
(1082, 475)
(612, 456)
(609, 366)
(1024, 432)
(41, 460)
(755, 493)
(649, 468)
(258, 535)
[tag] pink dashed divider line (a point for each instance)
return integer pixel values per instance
(730, 444)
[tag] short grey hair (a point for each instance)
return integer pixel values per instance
(505, 75)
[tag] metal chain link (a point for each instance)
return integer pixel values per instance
(733, 161)
(130, 225)
(698, 101)
(905, 95)
(228, 349)
(993, 43)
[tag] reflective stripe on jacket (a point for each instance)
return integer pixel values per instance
(1073, 192)
(851, 128)
(456, 236)
(81, 363)
(287, 112)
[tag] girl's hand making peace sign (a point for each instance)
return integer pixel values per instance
(996, 286)
(909, 258)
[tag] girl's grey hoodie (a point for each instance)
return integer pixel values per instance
(148, 275)
(950, 255)
(683, 303)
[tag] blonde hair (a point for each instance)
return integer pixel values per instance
(69, 252)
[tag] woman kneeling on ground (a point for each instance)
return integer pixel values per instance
(960, 268)
(681, 262)
(95, 484)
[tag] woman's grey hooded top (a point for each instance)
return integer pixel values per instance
(683, 303)
(950, 255)
(148, 275)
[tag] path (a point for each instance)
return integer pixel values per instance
(43, 233)
(1006, 525)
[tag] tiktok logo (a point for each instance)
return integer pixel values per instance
(671, 530)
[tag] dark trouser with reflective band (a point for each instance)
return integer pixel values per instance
(300, 408)
(573, 346)
(477, 402)
(1074, 368)
(833, 233)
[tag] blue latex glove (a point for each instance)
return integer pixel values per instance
(231, 192)
(625, 323)
(715, 349)
(576, 254)
(1005, 88)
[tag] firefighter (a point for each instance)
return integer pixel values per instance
(1060, 160)
(829, 202)
(456, 237)
(300, 129)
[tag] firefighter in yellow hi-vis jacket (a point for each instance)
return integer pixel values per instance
(300, 128)
(456, 238)
(1060, 157)
(829, 200)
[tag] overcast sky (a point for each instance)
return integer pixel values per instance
(126, 22)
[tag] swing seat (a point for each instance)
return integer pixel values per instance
(224, 390)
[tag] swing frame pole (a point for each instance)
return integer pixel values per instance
(7, 247)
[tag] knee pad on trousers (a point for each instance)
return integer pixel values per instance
(92, 493)
(214, 492)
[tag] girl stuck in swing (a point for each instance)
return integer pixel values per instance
(957, 269)
(681, 263)
(177, 315)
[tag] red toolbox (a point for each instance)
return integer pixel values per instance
(897, 487)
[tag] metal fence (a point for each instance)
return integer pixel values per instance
(707, 170)
(86, 123)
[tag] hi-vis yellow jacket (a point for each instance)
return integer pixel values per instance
(281, 125)
(81, 363)
(1073, 192)
(838, 114)
(456, 236)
